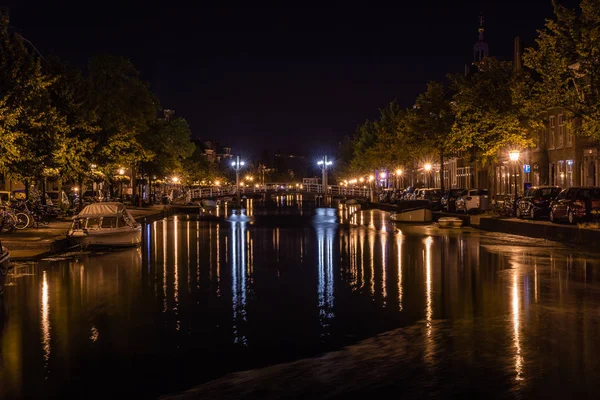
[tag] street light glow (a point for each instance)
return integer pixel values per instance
(371, 178)
(427, 167)
(514, 155)
(242, 163)
(399, 172)
(121, 171)
(320, 162)
(383, 175)
(175, 179)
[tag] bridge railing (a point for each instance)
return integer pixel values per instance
(201, 193)
(337, 190)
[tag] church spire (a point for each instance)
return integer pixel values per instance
(480, 50)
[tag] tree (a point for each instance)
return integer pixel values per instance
(489, 115)
(566, 60)
(30, 126)
(383, 143)
(125, 108)
(169, 141)
(431, 121)
(74, 152)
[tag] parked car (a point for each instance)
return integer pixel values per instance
(434, 196)
(473, 200)
(449, 199)
(53, 195)
(536, 201)
(576, 203)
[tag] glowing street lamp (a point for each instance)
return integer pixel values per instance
(237, 166)
(324, 164)
(399, 173)
(514, 157)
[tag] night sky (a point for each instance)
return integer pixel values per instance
(294, 79)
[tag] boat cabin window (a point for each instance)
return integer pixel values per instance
(109, 222)
(93, 223)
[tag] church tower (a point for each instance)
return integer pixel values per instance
(480, 50)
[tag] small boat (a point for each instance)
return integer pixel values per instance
(4, 266)
(105, 225)
(208, 203)
(413, 211)
(450, 222)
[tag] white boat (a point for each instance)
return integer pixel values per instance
(4, 266)
(413, 211)
(105, 225)
(418, 215)
(208, 203)
(450, 222)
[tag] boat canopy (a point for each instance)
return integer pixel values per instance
(105, 209)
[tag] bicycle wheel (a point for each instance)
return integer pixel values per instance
(22, 220)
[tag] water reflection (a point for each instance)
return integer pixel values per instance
(510, 310)
(325, 238)
(516, 333)
(46, 321)
(239, 274)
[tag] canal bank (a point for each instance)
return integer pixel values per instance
(31, 244)
(582, 234)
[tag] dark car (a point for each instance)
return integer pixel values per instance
(575, 203)
(449, 199)
(536, 200)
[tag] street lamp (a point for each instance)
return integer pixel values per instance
(514, 157)
(324, 164)
(428, 169)
(399, 173)
(121, 173)
(237, 166)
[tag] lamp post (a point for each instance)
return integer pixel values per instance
(121, 173)
(514, 157)
(428, 170)
(237, 166)
(324, 164)
(398, 177)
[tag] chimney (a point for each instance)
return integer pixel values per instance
(517, 55)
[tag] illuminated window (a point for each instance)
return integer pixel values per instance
(551, 142)
(561, 130)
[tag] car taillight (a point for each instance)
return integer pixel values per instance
(538, 200)
(578, 203)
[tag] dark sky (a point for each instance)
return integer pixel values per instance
(291, 78)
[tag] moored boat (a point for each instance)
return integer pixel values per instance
(412, 211)
(4, 266)
(208, 203)
(450, 222)
(105, 225)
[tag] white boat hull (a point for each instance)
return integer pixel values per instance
(117, 237)
(4, 265)
(450, 222)
(418, 215)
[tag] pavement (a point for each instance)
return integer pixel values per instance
(33, 243)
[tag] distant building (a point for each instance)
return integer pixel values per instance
(213, 151)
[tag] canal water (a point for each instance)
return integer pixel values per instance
(333, 299)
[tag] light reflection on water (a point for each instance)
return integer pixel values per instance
(217, 296)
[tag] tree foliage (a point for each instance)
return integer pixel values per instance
(29, 122)
(126, 108)
(169, 141)
(489, 115)
(566, 59)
